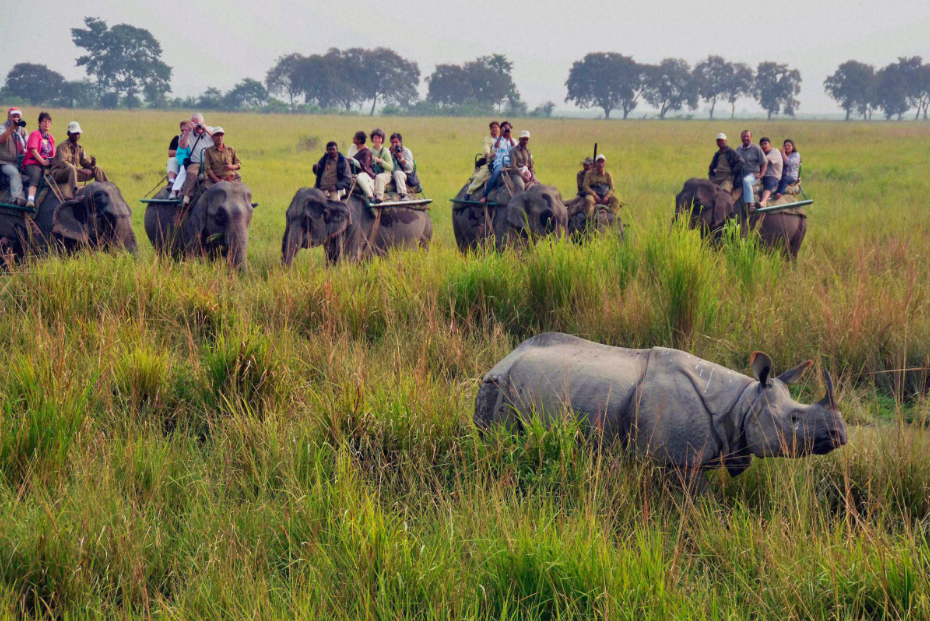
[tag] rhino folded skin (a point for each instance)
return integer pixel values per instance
(687, 412)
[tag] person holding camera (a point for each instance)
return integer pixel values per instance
(383, 164)
(198, 140)
(502, 147)
(404, 168)
(40, 149)
(72, 165)
(12, 151)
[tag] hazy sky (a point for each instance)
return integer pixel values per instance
(217, 43)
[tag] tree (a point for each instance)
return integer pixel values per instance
(78, 94)
(713, 75)
(246, 94)
(775, 88)
(123, 59)
(515, 106)
(212, 99)
(911, 69)
(851, 86)
(739, 84)
(543, 110)
(36, 84)
(608, 81)
(387, 76)
(282, 79)
(669, 86)
(891, 91)
(923, 85)
(317, 79)
(485, 80)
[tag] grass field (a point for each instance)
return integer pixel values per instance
(182, 441)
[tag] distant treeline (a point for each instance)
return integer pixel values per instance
(125, 70)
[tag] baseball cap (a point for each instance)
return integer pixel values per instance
(721, 136)
(524, 134)
(218, 130)
(14, 111)
(600, 156)
(74, 128)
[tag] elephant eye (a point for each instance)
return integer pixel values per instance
(794, 419)
(221, 215)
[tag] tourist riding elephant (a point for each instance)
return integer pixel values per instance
(709, 207)
(216, 225)
(350, 230)
(97, 217)
(532, 213)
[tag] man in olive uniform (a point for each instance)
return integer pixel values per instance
(521, 163)
(71, 165)
(599, 188)
(220, 161)
(726, 168)
(586, 165)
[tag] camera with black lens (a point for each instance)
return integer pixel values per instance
(506, 130)
(20, 122)
(199, 125)
(398, 149)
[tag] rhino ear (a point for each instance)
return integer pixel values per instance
(761, 367)
(793, 375)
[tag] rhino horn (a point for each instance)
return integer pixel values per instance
(829, 399)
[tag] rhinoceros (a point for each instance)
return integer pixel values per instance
(687, 412)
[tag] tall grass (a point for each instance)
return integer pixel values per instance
(182, 441)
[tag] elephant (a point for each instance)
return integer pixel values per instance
(531, 213)
(580, 227)
(97, 217)
(709, 207)
(350, 230)
(217, 224)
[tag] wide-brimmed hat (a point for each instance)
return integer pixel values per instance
(587, 161)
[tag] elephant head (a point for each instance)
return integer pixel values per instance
(312, 220)
(98, 216)
(708, 205)
(535, 212)
(219, 222)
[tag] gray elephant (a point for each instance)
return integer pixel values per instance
(216, 225)
(708, 207)
(350, 230)
(687, 412)
(473, 225)
(580, 227)
(532, 213)
(97, 217)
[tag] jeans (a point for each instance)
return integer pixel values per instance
(492, 182)
(784, 183)
(748, 182)
(16, 181)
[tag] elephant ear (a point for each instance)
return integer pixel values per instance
(517, 217)
(70, 221)
(723, 208)
(338, 218)
(196, 222)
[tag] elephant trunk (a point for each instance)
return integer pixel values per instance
(124, 235)
(237, 243)
(295, 238)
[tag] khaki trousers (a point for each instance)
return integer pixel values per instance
(613, 205)
(400, 182)
(190, 183)
(481, 177)
(364, 181)
(381, 180)
(69, 176)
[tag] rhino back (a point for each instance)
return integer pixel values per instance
(554, 373)
(687, 412)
